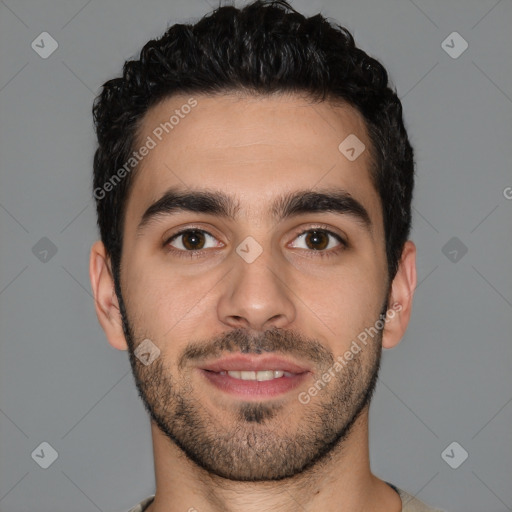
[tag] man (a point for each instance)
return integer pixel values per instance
(253, 182)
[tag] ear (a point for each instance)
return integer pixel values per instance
(400, 297)
(105, 298)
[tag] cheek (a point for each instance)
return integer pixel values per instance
(162, 301)
(342, 304)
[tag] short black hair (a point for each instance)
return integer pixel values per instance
(264, 48)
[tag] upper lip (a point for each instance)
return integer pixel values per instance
(254, 363)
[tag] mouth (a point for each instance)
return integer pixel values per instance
(254, 377)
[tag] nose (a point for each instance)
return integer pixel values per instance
(255, 295)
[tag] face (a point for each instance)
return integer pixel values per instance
(266, 255)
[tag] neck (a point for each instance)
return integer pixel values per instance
(341, 481)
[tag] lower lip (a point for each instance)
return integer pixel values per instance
(254, 388)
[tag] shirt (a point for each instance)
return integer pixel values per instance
(409, 503)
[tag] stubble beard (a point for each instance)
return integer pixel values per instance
(258, 441)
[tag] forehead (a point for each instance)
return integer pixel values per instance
(251, 147)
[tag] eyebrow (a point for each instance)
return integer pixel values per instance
(218, 203)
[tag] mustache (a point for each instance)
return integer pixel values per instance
(273, 340)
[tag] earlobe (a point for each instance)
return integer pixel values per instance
(400, 297)
(105, 299)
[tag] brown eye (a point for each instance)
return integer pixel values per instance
(321, 240)
(191, 240)
(317, 240)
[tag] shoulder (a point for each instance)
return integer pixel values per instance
(411, 504)
(140, 507)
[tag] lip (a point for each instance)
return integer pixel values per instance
(252, 389)
(255, 363)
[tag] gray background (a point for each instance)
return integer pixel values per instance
(449, 380)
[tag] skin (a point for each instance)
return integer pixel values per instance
(256, 149)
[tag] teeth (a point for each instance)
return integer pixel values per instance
(259, 376)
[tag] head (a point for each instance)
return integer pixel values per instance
(295, 248)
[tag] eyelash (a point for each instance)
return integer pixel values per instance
(200, 252)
